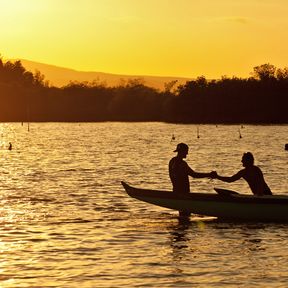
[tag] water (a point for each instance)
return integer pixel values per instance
(66, 221)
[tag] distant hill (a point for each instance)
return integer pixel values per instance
(60, 76)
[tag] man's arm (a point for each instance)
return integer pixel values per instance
(195, 174)
(230, 179)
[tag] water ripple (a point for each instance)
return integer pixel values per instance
(66, 221)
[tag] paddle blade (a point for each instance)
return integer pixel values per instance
(225, 192)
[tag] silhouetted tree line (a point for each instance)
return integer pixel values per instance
(262, 98)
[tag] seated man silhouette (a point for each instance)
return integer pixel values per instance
(251, 173)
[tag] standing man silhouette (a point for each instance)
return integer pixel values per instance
(179, 172)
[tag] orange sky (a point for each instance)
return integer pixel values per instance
(164, 37)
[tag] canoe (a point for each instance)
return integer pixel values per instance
(224, 204)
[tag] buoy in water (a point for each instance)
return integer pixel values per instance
(240, 136)
(286, 146)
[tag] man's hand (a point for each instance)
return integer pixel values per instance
(213, 174)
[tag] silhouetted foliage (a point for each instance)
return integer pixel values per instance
(263, 98)
(235, 100)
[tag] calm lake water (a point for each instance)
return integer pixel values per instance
(66, 221)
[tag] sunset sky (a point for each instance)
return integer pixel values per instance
(148, 37)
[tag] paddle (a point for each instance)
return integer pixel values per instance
(225, 192)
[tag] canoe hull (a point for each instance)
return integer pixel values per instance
(237, 207)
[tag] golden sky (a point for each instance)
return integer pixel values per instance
(148, 37)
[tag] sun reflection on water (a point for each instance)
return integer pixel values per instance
(65, 220)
